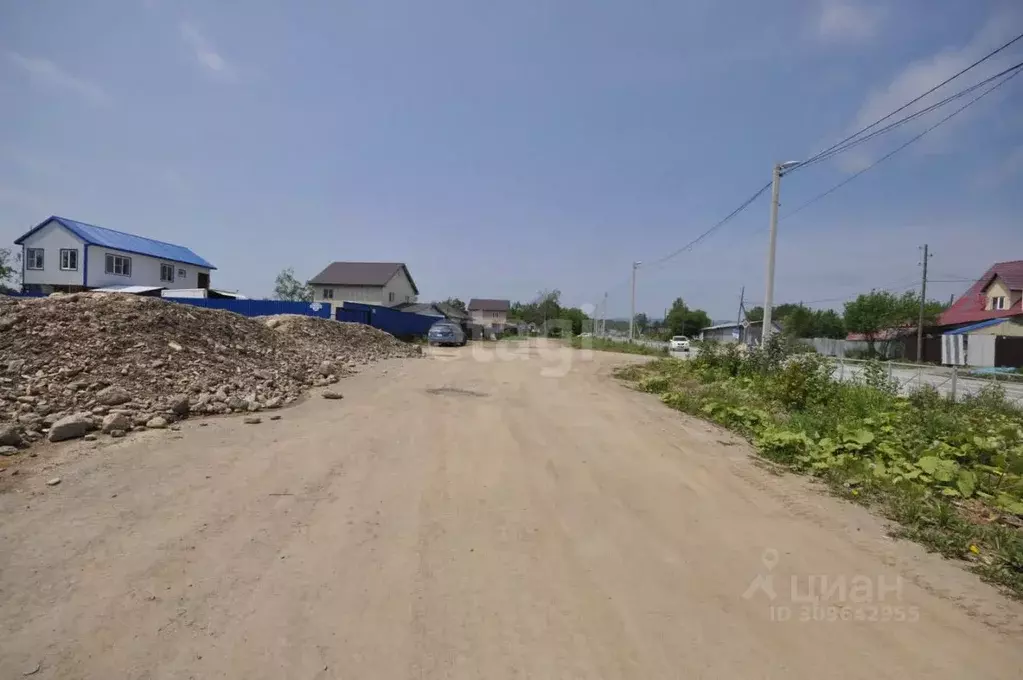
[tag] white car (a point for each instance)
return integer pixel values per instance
(679, 343)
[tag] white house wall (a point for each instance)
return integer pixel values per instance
(372, 295)
(489, 318)
(52, 238)
(145, 271)
(401, 287)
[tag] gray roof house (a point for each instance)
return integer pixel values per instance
(749, 334)
(375, 283)
(438, 309)
(488, 312)
(488, 305)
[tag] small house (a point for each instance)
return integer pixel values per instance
(749, 333)
(376, 283)
(64, 255)
(489, 313)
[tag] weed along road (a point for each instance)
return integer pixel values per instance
(508, 513)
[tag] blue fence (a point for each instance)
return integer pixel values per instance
(258, 307)
(399, 324)
(23, 295)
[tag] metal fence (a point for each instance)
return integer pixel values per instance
(832, 347)
(258, 307)
(955, 382)
(397, 323)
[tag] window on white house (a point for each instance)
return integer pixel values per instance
(69, 259)
(390, 296)
(33, 258)
(998, 302)
(182, 273)
(496, 315)
(167, 272)
(118, 265)
(328, 293)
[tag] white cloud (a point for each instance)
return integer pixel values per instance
(205, 53)
(920, 76)
(847, 21)
(45, 73)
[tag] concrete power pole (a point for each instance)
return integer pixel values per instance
(603, 318)
(779, 170)
(738, 315)
(632, 316)
(923, 301)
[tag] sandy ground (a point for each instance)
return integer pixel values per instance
(468, 516)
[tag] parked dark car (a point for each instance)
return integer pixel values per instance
(446, 333)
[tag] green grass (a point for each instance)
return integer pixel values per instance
(605, 345)
(948, 472)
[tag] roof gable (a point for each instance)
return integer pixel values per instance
(361, 274)
(488, 305)
(119, 240)
(971, 306)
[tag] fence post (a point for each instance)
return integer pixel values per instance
(955, 374)
(841, 368)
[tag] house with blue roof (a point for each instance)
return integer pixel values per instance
(65, 255)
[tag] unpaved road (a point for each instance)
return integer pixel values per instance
(461, 518)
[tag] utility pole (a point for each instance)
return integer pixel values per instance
(779, 170)
(603, 318)
(738, 315)
(923, 301)
(632, 317)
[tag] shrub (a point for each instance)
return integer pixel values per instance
(802, 380)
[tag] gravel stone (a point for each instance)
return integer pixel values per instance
(70, 427)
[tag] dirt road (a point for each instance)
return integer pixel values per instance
(468, 518)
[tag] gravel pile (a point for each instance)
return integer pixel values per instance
(73, 364)
(339, 341)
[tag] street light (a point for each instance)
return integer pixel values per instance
(779, 170)
(632, 317)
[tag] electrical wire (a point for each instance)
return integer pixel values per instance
(913, 116)
(745, 204)
(903, 146)
(910, 102)
(890, 288)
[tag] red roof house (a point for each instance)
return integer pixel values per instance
(997, 294)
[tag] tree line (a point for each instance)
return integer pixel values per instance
(869, 314)
(546, 313)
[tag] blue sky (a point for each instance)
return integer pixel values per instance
(499, 148)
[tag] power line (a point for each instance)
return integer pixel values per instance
(913, 116)
(855, 295)
(909, 103)
(903, 146)
(890, 288)
(745, 204)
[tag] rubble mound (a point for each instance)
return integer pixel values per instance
(88, 358)
(345, 342)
